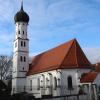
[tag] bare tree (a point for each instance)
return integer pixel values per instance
(5, 67)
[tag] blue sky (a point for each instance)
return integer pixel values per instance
(53, 22)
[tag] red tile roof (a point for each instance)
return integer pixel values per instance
(66, 56)
(88, 77)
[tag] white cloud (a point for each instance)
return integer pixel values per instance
(6, 10)
(93, 54)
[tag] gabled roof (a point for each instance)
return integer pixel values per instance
(66, 56)
(88, 77)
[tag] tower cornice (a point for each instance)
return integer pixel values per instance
(21, 39)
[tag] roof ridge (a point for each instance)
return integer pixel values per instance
(76, 53)
(68, 51)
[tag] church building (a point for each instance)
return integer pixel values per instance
(62, 70)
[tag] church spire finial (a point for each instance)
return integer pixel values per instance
(21, 4)
(21, 15)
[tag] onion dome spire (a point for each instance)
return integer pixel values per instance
(21, 16)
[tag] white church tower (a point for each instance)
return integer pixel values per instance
(20, 52)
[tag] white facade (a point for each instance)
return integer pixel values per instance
(43, 83)
(55, 83)
(20, 57)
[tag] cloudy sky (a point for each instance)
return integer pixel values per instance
(53, 22)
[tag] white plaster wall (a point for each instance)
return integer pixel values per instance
(76, 75)
(47, 81)
(21, 26)
(18, 85)
(19, 47)
(47, 86)
(20, 66)
(23, 64)
(64, 81)
(34, 89)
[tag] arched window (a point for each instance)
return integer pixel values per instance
(55, 83)
(18, 32)
(23, 32)
(38, 84)
(21, 59)
(70, 84)
(24, 59)
(24, 44)
(21, 43)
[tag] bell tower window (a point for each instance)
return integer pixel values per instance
(21, 58)
(23, 68)
(23, 32)
(24, 44)
(21, 43)
(24, 59)
(18, 32)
